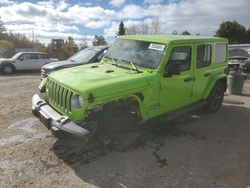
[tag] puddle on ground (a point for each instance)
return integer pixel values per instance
(25, 125)
(21, 138)
(9, 166)
(12, 139)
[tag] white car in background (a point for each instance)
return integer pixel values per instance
(24, 61)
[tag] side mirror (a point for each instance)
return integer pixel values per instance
(21, 58)
(173, 68)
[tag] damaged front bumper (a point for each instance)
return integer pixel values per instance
(54, 121)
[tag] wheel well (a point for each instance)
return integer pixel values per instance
(223, 81)
(130, 104)
(121, 107)
(8, 63)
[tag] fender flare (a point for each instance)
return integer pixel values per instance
(213, 82)
(138, 97)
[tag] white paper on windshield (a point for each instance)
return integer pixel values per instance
(154, 46)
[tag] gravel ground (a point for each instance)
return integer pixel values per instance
(194, 150)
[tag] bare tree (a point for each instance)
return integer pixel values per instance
(145, 28)
(2, 29)
(155, 26)
(132, 30)
(84, 43)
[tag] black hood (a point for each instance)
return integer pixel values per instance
(60, 65)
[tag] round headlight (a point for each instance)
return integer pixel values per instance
(77, 101)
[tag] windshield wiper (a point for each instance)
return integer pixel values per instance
(132, 64)
(72, 60)
(113, 60)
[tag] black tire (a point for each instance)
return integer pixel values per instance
(8, 69)
(215, 98)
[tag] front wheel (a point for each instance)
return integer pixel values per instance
(8, 69)
(215, 98)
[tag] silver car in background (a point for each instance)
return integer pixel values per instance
(24, 61)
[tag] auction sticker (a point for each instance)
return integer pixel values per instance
(155, 46)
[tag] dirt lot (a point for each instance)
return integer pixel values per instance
(194, 150)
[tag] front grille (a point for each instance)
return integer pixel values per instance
(59, 96)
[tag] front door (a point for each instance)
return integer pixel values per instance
(176, 90)
(24, 62)
(28, 61)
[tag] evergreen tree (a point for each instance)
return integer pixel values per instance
(121, 29)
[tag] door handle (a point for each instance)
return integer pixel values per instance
(207, 74)
(188, 79)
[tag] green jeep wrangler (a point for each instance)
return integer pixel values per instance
(151, 76)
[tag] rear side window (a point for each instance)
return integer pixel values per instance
(34, 56)
(181, 55)
(42, 56)
(203, 58)
(220, 53)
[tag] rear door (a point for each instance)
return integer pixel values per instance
(34, 62)
(202, 69)
(42, 60)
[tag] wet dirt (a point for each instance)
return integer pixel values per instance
(161, 161)
(25, 125)
(193, 150)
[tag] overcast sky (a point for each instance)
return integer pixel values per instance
(81, 19)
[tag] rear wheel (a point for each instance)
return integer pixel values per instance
(8, 69)
(215, 98)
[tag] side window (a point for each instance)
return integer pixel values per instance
(26, 57)
(181, 55)
(220, 53)
(34, 56)
(203, 58)
(42, 56)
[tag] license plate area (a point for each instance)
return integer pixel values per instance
(45, 120)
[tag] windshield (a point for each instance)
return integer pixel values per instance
(141, 53)
(84, 56)
(16, 55)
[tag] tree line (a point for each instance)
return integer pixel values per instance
(232, 30)
(10, 41)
